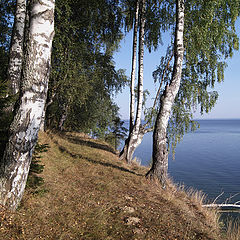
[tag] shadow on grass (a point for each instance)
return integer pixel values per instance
(34, 181)
(89, 143)
(73, 155)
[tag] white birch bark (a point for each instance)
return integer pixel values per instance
(140, 67)
(42, 124)
(16, 50)
(160, 149)
(135, 138)
(133, 72)
(24, 129)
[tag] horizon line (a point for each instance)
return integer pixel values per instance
(197, 119)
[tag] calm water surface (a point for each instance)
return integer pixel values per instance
(207, 160)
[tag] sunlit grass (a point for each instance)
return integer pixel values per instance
(90, 194)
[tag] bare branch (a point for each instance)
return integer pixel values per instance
(228, 199)
(159, 89)
(218, 197)
(158, 92)
(221, 206)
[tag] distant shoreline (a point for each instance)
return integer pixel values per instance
(202, 119)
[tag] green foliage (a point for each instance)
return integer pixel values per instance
(84, 78)
(100, 21)
(209, 39)
(4, 118)
(146, 93)
(6, 14)
(116, 132)
(159, 19)
(6, 8)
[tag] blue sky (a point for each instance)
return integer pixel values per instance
(228, 104)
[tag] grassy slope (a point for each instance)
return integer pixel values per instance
(89, 194)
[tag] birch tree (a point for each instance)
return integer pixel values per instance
(209, 39)
(24, 129)
(160, 147)
(16, 50)
(133, 72)
(153, 16)
(84, 78)
(134, 137)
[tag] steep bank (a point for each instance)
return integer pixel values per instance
(89, 194)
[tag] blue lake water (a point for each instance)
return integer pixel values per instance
(207, 159)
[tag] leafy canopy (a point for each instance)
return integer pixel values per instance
(84, 78)
(209, 39)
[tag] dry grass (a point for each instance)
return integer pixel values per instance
(233, 231)
(89, 194)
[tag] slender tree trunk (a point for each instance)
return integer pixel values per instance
(43, 121)
(133, 73)
(160, 149)
(134, 138)
(140, 67)
(16, 50)
(63, 117)
(136, 142)
(42, 124)
(15, 164)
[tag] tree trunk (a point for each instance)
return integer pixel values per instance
(24, 129)
(135, 142)
(42, 123)
(133, 73)
(132, 142)
(63, 117)
(16, 50)
(160, 150)
(140, 68)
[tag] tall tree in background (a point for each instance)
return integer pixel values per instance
(209, 38)
(24, 129)
(6, 12)
(84, 78)
(160, 148)
(134, 131)
(16, 50)
(133, 72)
(154, 17)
